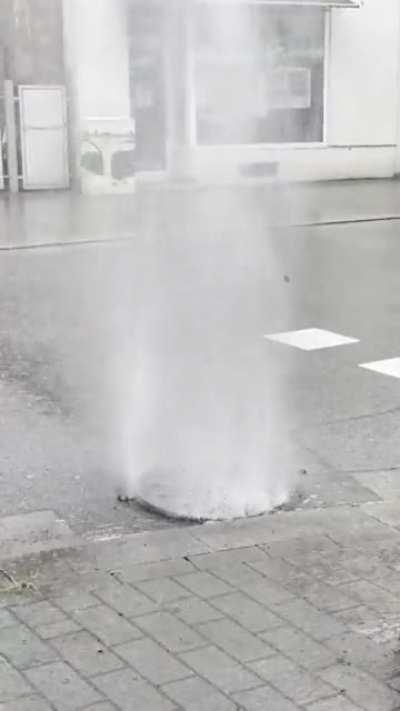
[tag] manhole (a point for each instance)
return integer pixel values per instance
(180, 497)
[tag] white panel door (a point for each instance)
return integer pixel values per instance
(43, 136)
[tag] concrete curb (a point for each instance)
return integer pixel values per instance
(339, 523)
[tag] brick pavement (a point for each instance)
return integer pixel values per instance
(295, 611)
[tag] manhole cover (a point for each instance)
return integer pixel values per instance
(180, 497)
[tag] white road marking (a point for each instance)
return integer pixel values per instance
(390, 366)
(311, 339)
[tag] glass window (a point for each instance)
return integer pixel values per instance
(259, 74)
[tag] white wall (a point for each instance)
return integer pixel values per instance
(363, 80)
(363, 99)
(97, 57)
(222, 163)
(97, 63)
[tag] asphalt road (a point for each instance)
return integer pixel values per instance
(189, 298)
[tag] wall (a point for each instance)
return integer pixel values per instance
(31, 41)
(97, 57)
(38, 42)
(363, 83)
(97, 62)
(224, 163)
(363, 93)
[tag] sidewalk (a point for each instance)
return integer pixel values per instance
(57, 218)
(296, 610)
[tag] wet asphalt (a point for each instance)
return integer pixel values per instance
(200, 281)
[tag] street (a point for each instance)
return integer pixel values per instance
(199, 355)
(212, 277)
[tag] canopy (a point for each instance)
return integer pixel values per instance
(312, 3)
(299, 3)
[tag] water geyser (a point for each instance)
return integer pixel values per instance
(204, 423)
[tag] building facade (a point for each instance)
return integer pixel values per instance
(228, 89)
(31, 55)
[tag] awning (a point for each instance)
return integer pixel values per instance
(300, 3)
(312, 3)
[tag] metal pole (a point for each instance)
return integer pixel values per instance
(11, 128)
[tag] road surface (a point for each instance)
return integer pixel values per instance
(202, 280)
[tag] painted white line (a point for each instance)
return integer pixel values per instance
(390, 366)
(311, 339)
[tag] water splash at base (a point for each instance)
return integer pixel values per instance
(177, 496)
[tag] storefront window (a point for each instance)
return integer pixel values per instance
(259, 74)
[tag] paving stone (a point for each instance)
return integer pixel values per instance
(225, 536)
(75, 600)
(389, 553)
(372, 595)
(33, 703)
(123, 598)
(221, 670)
(363, 652)
(39, 613)
(296, 548)
(303, 615)
(365, 537)
(86, 654)
(389, 581)
(327, 569)
(57, 629)
(358, 618)
(192, 610)
(264, 699)
(361, 688)
(162, 569)
(12, 683)
(384, 511)
(152, 661)
(196, 695)
(325, 597)
(362, 565)
(204, 584)
(100, 707)
(235, 640)
(128, 692)
(107, 625)
(277, 569)
(62, 686)
(339, 703)
(23, 648)
(250, 614)
(220, 657)
(20, 597)
(170, 632)
(266, 592)
(384, 483)
(224, 559)
(240, 574)
(395, 683)
(382, 627)
(163, 590)
(299, 685)
(332, 574)
(7, 619)
(300, 648)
